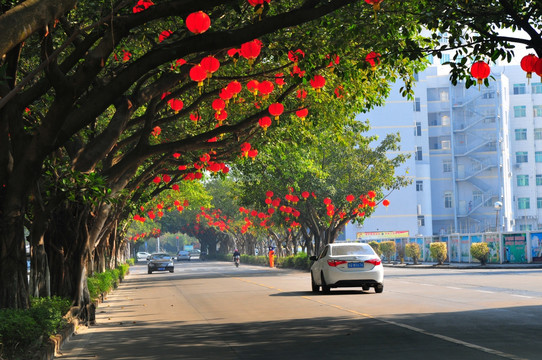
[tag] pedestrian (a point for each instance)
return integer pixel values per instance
(271, 257)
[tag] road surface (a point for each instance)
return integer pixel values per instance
(211, 310)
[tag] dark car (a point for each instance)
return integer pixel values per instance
(160, 262)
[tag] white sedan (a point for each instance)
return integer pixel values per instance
(142, 256)
(347, 265)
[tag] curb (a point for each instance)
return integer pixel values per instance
(463, 266)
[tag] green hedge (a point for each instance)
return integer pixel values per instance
(22, 330)
(104, 282)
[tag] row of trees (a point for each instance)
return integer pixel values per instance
(100, 112)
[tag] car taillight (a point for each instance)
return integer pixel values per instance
(334, 263)
(375, 262)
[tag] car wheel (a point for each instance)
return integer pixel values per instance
(315, 288)
(379, 288)
(325, 287)
(149, 271)
(171, 270)
(365, 288)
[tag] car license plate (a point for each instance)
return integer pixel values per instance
(355, 265)
(161, 269)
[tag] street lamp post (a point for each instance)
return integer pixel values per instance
(498, 207)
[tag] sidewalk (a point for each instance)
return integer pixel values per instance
(426, 265)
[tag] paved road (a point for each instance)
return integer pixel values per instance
(211, 310)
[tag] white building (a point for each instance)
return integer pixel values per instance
(471, 151)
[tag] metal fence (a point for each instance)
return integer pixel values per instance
(513, 247)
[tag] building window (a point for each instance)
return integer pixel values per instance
(537, 110)
(523, 180)
(446, 166)
(539, 203)
(525, 227)
(445, 144)
(538, 134)
(445, 59)
(477, 197)
(418, 129)
(489, 95)
(419, 185)
(537, 88)
(522, 157)
(520, 111)
(524, 203)
(417, 104)
(448, 202)
(421, 220)
(538, 156)
(521, 134)
(419, 155)
(538, 180)
(519, 89)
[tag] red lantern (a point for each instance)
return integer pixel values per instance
(221, 116)
(327, 201)
(218, 105)
(373, 59)
(302, 114)
(265, 122)
(157, 180)
(350, 198)
(176, 105)
(269, 194)
(210, 64)
(198, 22)
(371, 194)
(538, 68)
(528, 64)
(252, 153)
(279, 80)
(375, 3)
(234, 87)
(318, 82)
(301, 94)
(250, 50)
(253, 86)
(142, 5)
(245, 147)
(305, 194)
(164, 35)
(386, 202)
(198, 74)
(276, 110)
(225, 95)
(480, 70)
(265, 88)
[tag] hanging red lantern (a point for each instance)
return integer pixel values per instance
(302, 114)
(225, 95)
(350, 198)
(265, 88)
(218, 105)
(269, 194)
(234, 87)
(480, 70)
(301, 94)
(245, 147)
(198, 74)
(198, 22)
(142, 5)
(318, 82)
(528, 64)
(210, 64)
(252, 153)
(375, 3)
(221, 116)
(176, 105)
(373, 58)
(164, 35)
(386, 202)
(371, 194)
(265, 122)
(250, 50)
(276, 109)
(253, 86)
(538, 68)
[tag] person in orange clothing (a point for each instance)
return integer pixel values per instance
(271, 257)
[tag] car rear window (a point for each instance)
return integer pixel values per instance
(161, 256)
(351, 250)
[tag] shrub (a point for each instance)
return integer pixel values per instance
(412, 250)
(439, 251)
(480, 251)
(22, 330)
(376, 247)
(130, 262)
(388, 249)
